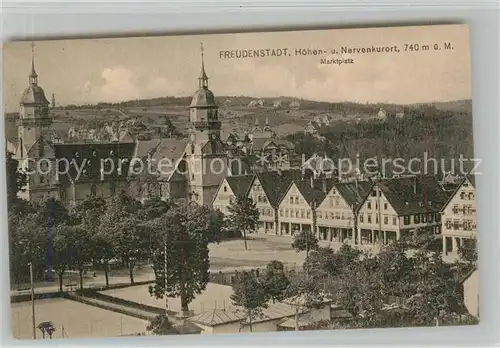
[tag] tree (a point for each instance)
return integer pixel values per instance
(89, 214)
(467, 252)
(275, 281)
(81, 249)
(145, 185)
(305, 240)
(160, 325)
(244, 216)
(16, 180)
(28, 243)
(121, 225)
(302, 293)
(62, 251)
(249, 293)
(185, 232)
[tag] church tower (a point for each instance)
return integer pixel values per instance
(206, 154)
(203, 111)
(35, 154)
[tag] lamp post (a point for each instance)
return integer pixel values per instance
(32, 300)
(165, 275)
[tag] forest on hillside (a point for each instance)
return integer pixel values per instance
(441, 134)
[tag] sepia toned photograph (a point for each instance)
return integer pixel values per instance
(241, 182)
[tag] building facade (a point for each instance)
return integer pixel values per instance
(400, 207)
(459, 217)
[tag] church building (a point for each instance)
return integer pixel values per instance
(189, 168)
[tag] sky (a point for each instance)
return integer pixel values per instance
(85, 71)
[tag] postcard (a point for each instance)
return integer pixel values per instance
(241, 182)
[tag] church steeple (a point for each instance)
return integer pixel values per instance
(203, 79)
(33, 76)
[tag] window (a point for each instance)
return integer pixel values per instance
(394, 220)
(406, 219)
(281, 212)
(292, 213)
(302, 213)
(361, 217)
(369, 218)
(93, 190)
(456, 224)
(471, 195)
(320, 214)
(430, 217)
(296, 200)
(308, 214)
(376, 219)
(424, 218)
(385, 206)
(291, 200)
(286, 213)
(337, 202)
(386, 219)
(416, 219)
(369, 205)
(448, 224)
(225, 189)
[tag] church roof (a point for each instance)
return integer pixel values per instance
(203, 98)
(34, 95)
(169, 151)
(95, 155)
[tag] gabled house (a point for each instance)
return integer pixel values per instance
(312, 128)
(337, 214)
(266, 189)
(400, 207)
(230, 188)
(458, 217)
(298, 206)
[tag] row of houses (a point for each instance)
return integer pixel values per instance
(369, 212)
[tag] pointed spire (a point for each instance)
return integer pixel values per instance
(256, 122)
(203, 79)
(33, 76)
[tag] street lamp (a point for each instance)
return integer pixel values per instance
(32, 300)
